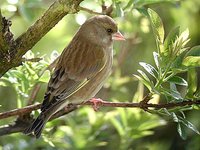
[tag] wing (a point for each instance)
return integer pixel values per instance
(76, 66)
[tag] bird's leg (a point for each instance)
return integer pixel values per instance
(96, 103)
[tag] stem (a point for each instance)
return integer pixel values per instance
(30, 108)
(163, 75)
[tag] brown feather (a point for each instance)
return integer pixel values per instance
(80, 71)
(66, 79)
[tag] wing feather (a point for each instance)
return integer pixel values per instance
(76, 66)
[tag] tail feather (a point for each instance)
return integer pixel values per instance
(37, 126)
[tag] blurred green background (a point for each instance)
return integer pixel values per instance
(110, 128)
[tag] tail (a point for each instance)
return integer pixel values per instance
(37, 126)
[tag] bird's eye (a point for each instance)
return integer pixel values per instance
(109, 30)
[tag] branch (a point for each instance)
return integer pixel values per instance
(4, 46)
(50, 18)
(34, 93)
(20, 111)
(142, 105)
(27, 40)
(21, 123)
(89, 11)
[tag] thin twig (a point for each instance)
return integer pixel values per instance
(28, 109)
(20, 125)
(20, 111)
(34, 92)
(89, 11)
(31, 59)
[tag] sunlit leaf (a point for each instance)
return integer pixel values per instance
(156, 59)
(129, 4)
(146, 83)
(192, 58)
(54, 55)
(192, 61)
(184, 36)
(178, 80)
(166, 111)
(168, 43)
(171, 37)
(158, 29)
(5, 82)
(144, 75)
(150, 69)
(175, 118)
(175, 93)
(172, 94)
(45, 77)
(140, 3)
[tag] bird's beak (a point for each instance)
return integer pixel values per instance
(118, 36)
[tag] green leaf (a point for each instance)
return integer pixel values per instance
(194, 51)
(140, 3)
(178, 80)
(184, 36)
(189, 125)
(45, 77)
(158, 29)
(192, 82)
(119, 10)
(144, 75)
(170, 39)
(26, 12)
(5, 82)
(178, 62)
(116, 123)
(192, 58)
(181, 131)
(129, 4)
(150, 69)
(157, 25)
(192, 61)
(146, 83)
(156, 59)
(180, 42)
(175, 93)
(174, 117)
(165, 111)
(171, 93)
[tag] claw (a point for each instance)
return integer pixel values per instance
(96, 103)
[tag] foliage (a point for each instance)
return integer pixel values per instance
(172, 59)
(114, 128)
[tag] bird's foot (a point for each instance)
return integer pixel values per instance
(96, 103)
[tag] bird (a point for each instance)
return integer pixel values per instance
(81, 69)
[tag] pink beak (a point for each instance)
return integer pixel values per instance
(118, 36)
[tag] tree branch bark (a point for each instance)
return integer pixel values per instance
(27, 40)
(142, 105)
(21, 123)
(3, 44)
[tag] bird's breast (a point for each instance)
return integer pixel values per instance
(95, 84)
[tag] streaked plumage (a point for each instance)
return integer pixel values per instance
(81, 69)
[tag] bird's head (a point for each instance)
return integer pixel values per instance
(101, 30)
